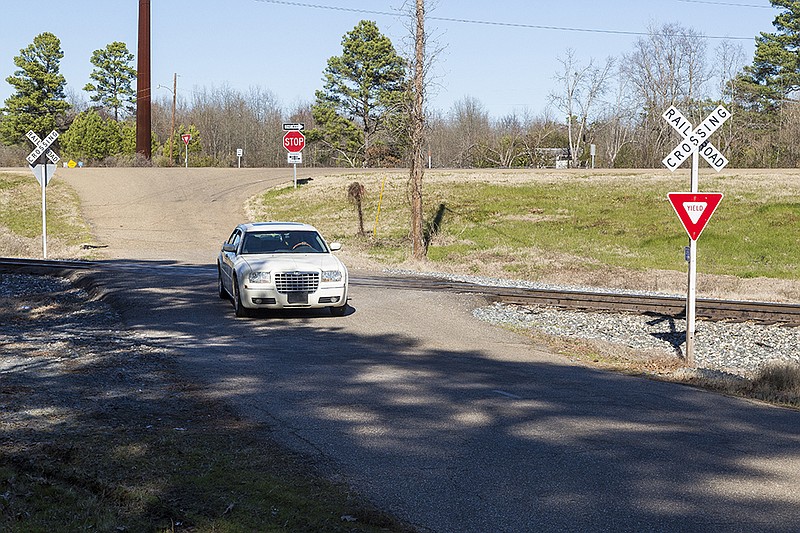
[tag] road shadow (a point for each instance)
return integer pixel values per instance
(477, 439)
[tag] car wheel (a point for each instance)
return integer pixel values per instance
(338, 311)
(238, 309)
(220, 286)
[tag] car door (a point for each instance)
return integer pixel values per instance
(228, 259)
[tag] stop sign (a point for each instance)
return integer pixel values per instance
(294, 141)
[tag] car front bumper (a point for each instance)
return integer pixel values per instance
(259, 297)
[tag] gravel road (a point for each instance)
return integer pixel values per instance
(170, 214)
(447, 421)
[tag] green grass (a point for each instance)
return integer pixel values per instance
(21, 209)
(626, 222)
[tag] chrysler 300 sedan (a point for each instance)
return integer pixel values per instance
(281, 265)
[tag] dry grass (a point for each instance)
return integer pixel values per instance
(21, 219)
(777, 383)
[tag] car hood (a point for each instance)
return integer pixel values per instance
(284, 262)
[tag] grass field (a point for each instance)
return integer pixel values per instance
(536, 225)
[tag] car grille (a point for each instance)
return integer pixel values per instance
(296, 281)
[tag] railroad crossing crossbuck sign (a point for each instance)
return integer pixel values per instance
(43, 172)
(695, 139)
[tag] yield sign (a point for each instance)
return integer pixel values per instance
(186, 137)
(43, 173)
(694, 209)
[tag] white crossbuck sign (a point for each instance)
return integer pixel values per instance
(41, 147)
(695, 139)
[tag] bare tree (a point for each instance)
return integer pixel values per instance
(538, 131)
(580, 88)
(729, 63)
(505, 145)
(617, 126)
(469, 123)
(417, 130)
(229, 119)
(667, 67)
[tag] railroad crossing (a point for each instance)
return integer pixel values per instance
(692, 210)
(43, 172)
(695, 140)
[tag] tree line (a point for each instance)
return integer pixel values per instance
(361, 116)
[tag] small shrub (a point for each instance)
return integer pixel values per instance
(13, 156)
(779, 377)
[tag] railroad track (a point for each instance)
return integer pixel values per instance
(660, 305)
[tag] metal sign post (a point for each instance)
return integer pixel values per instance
(294, 142)
(239, 153)
(695, 143)
(43, 172)
(186, 137)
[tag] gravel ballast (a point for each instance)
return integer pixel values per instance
(739, 348)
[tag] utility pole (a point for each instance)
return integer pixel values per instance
(174, 101)
(143, 110)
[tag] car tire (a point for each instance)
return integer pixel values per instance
(223, 294)
(339, 311)
(238, 309)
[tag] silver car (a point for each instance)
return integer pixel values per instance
(281, 265)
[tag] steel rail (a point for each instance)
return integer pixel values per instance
(585, 300)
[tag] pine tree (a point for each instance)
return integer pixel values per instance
(39, 103)
(363, 87)
(113, 78)
(775, 71)
(91, 137)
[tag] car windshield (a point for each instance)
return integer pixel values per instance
(278, 242)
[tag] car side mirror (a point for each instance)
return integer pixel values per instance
(227, 247)
(336, 246)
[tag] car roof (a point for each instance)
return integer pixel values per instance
(276, 226)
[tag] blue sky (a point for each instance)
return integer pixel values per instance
(283, 47)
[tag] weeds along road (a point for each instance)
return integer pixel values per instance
(448, 422)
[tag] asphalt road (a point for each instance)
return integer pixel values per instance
(452, 424)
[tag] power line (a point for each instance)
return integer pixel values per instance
(488, 22)
(731, 4)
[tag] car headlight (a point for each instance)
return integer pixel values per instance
(259, 277)
(331, 275)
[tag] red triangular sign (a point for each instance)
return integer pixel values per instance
(694, 209)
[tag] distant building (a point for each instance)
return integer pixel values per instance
(552, 158)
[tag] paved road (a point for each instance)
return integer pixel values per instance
(457, 426)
